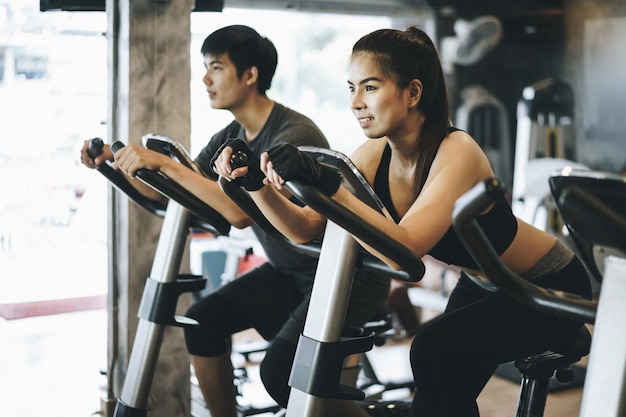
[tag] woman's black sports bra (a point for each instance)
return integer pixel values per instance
(499, 223)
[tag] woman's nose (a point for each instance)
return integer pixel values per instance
(356, 101)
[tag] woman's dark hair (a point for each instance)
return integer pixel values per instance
(245, 48)
(405, 56)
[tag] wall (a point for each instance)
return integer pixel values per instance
(595, 64)
(541, 42)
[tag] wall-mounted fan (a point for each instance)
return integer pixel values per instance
(474, 40)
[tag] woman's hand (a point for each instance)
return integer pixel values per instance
(289, 163)
(271, 176)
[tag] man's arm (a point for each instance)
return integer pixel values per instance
(209, 191)
(133, 157)
(105, 154)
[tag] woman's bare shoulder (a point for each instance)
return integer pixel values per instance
(367, 157)
(460, 157)
(460, 142)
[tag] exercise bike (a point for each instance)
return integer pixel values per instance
(324, 345)
(592, 205)
(137, 384)
(604, 390)
(164, 285)
(307, 399)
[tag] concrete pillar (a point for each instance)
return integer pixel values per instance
(149, 92)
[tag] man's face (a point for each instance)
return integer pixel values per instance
(225, 89)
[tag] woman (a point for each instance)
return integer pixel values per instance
(419, 165)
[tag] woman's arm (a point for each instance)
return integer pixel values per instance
(459, 164)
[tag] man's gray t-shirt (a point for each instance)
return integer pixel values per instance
(283, 125)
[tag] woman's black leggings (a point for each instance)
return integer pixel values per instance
(454, 356)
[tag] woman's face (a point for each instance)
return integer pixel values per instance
(380, 107)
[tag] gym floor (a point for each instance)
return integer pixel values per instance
(50, 366)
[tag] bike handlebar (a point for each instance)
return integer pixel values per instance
(119, 181)
(583, 207)
(205, 217)
(412, 266)
(245, 202)
(466, 209)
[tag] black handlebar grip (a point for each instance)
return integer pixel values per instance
(238, 159)
(116, 146)
(95, 147)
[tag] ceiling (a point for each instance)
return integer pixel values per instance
(461, 8)
(370, 7)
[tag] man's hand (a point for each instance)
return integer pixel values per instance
(133, 157)
(94, 161)
(235, 161)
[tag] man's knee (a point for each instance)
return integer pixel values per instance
(210, 337)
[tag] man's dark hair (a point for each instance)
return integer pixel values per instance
(246, 48)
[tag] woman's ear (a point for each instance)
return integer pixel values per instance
(415, 92)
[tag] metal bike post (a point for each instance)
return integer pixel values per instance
(149, 335)
(329, 301)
